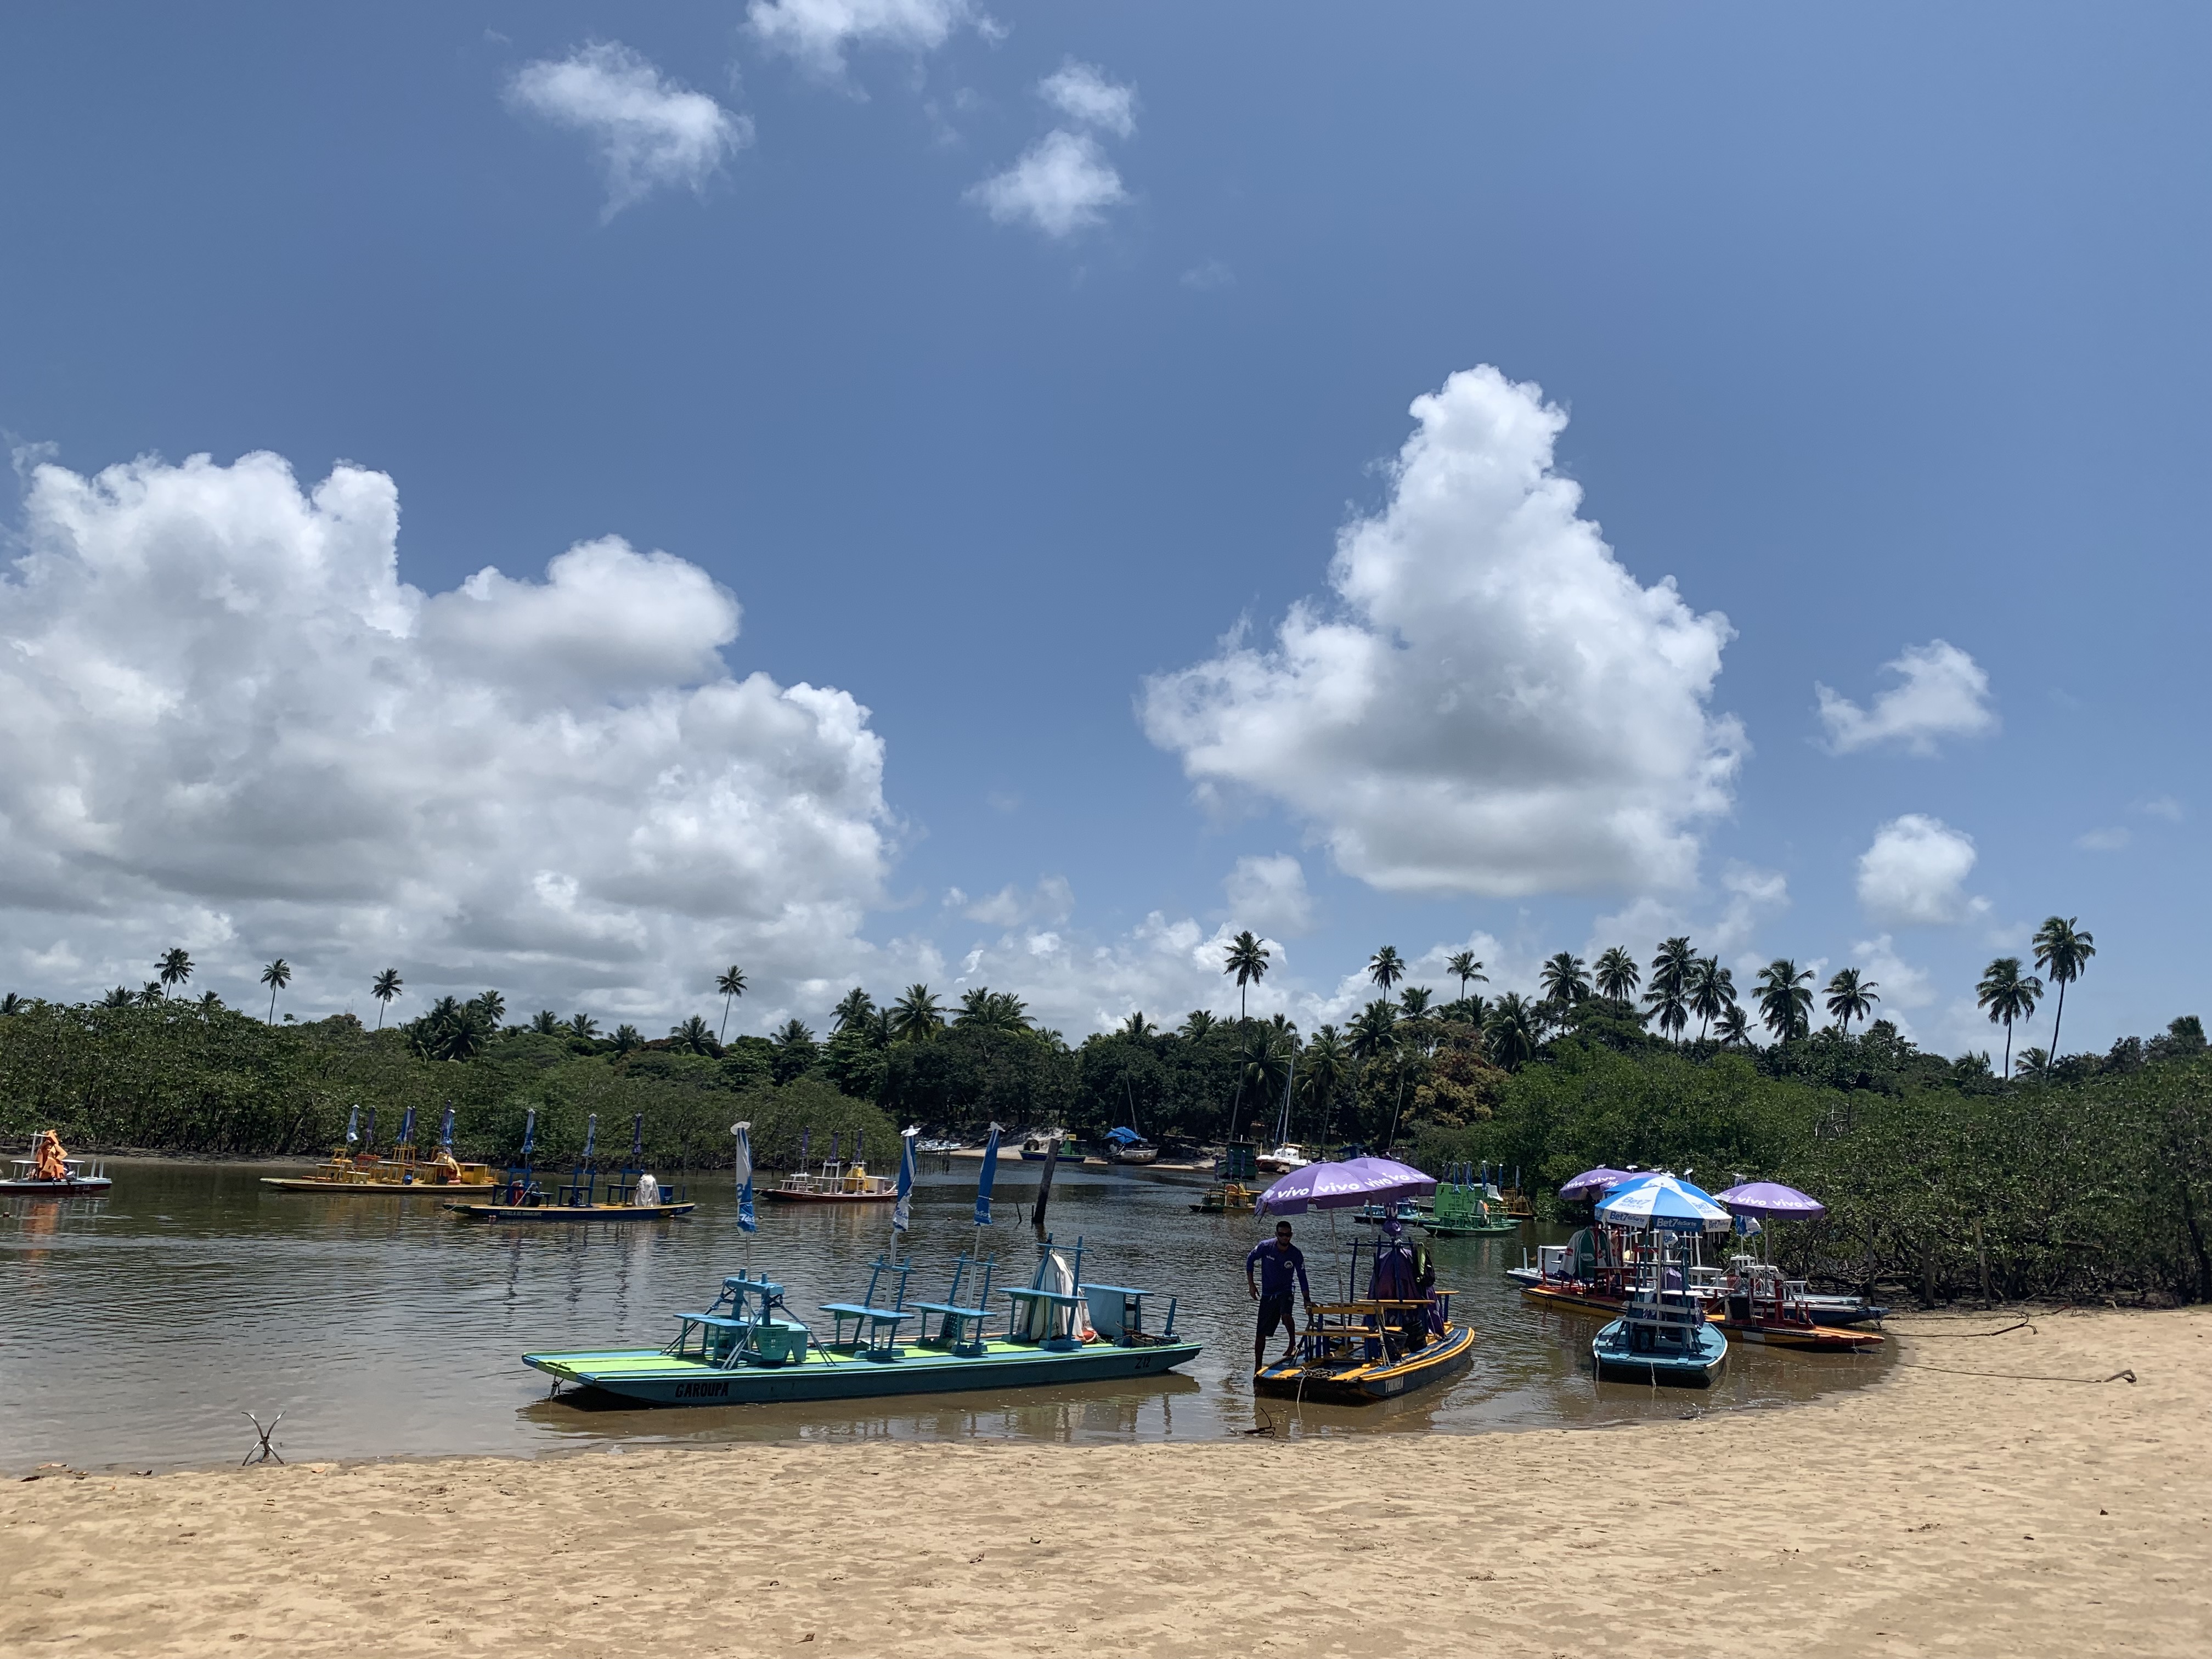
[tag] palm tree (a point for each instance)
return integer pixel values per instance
(1196, 1024)
(1246, 958)
(210, 1003)
(796, 1049)
(731, 985)
(2063, 950)
(697, 1035)
(1671, 1006)
(626, 1038)
(584, 1027)
(11, 1004)
(150, 993)
(1733, 1028)
(120, 997)
(1785, 1007)
(493, 1006)
(1138, 1026)
(2009, 995)
(1565, 979)
(852, 1009)
(1511, 1033)
(174, 967)
(1850, 998)
(276, 975)
(1413, 1001)
(1386, 967)
(1374, 1030)
(1264, 1062)
(545, 1023)
(993, 1010)
(2032, 1062)
(1709, 988)
(384, 987)
(1617, 975)
(916, 1016)
(1321, 1068)
(1464, 967)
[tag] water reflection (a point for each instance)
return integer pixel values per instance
(134, 1328)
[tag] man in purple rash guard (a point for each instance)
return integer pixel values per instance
(1281, 1264)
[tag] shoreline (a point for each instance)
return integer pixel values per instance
(1958, 1502)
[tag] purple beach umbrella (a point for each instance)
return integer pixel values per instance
(1344, 1186)
(1590, 1183)
(1770, 1201)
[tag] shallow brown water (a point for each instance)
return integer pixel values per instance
(135, 1329)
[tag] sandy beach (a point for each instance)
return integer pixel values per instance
(1945, 1510)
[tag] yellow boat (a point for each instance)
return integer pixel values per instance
(368, 1175)
(1346, 1358)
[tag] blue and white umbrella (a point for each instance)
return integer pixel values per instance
(988, 1178)
(446, 1131)
(1664, 1201)
(353, 1126)
(747, 1220)
(902, 1211)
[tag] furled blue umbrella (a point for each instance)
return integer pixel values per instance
(744, 1133)
(988, 1178)
(1345, 1186)
(1666, 1202)
(353, 1126)
(903, 1210)
(1770, 1201)
(407, 1128)
(1590, 1183)
(446, 1131)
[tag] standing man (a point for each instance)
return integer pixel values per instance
(1280, 1262)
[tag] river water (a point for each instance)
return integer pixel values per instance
(136, 1329)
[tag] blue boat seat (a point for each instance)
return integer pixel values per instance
(875, 1332)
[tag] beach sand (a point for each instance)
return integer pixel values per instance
(1933, 1512)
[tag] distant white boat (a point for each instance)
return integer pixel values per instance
(1285, 1157)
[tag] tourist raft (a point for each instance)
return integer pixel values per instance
(51, 1172)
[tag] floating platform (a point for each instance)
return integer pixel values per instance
(571, 1212)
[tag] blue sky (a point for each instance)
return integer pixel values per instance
(1870, 332)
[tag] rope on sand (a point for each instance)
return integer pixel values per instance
(1906, 1330)
(2020, 1377)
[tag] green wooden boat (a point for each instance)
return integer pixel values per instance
(750, 1347)
(1467, 1207)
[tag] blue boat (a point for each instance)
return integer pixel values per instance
(750, 1347)
(1662, 1335)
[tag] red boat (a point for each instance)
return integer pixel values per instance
(1757, 1305)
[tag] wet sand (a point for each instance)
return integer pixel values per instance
(1934, 1512)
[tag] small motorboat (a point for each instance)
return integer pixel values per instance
(1662, 1335)
(1049, 1143)
(939, 1146)
(1286, 1157)
(49, 1172)
(1127, 1147)
(751, 1347)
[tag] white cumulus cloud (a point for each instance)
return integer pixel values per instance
(231, 725)
(1061, 185)
(651, 131)
(1941, 692)
(1082, 93)
(818, 33)
(1269, 895)
(1915, 871)
(1052, 899)
(1492, 704)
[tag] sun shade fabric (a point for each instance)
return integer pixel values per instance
(1345, 1186)
(1666, 1202)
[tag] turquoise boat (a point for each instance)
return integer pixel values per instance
(1662, 1335)
(752, 1348)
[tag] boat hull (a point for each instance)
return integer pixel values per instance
(1812, 1339)
(658, 1379)
(570, 1211)
(1364, 1382)
(1454, 1229)
(377, 1188)
(1618, 1363)
(82, 1188)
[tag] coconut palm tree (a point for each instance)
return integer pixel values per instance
(2032, 1062)
(916, 1016)
(852, 1009)
(1195, 1024)
(731, 984)
(545, 1023)
(1617, 975)
(2063, 950)
(495, 1008)
(276, 975)
(120, 997)
(1511, 1033)
(1785, 1006)
(1565, 979)
(384, 987)
(1669, 1003)
(1413, 1001)
(1138, 1026)
(1246, 958)
(150, 993)
(628, 1038)
(1465, 969)
(1709, 988)
(1850, 998)
(1263, 1063)
(1732, 1028)
(994, 1010)
(2008, 994)
(11, 1004)
(796, 1049)
(697, 1035)
(174, 967)
(1321, 1068)
(584, 1028)
(210, 1003)
(1386, 967)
